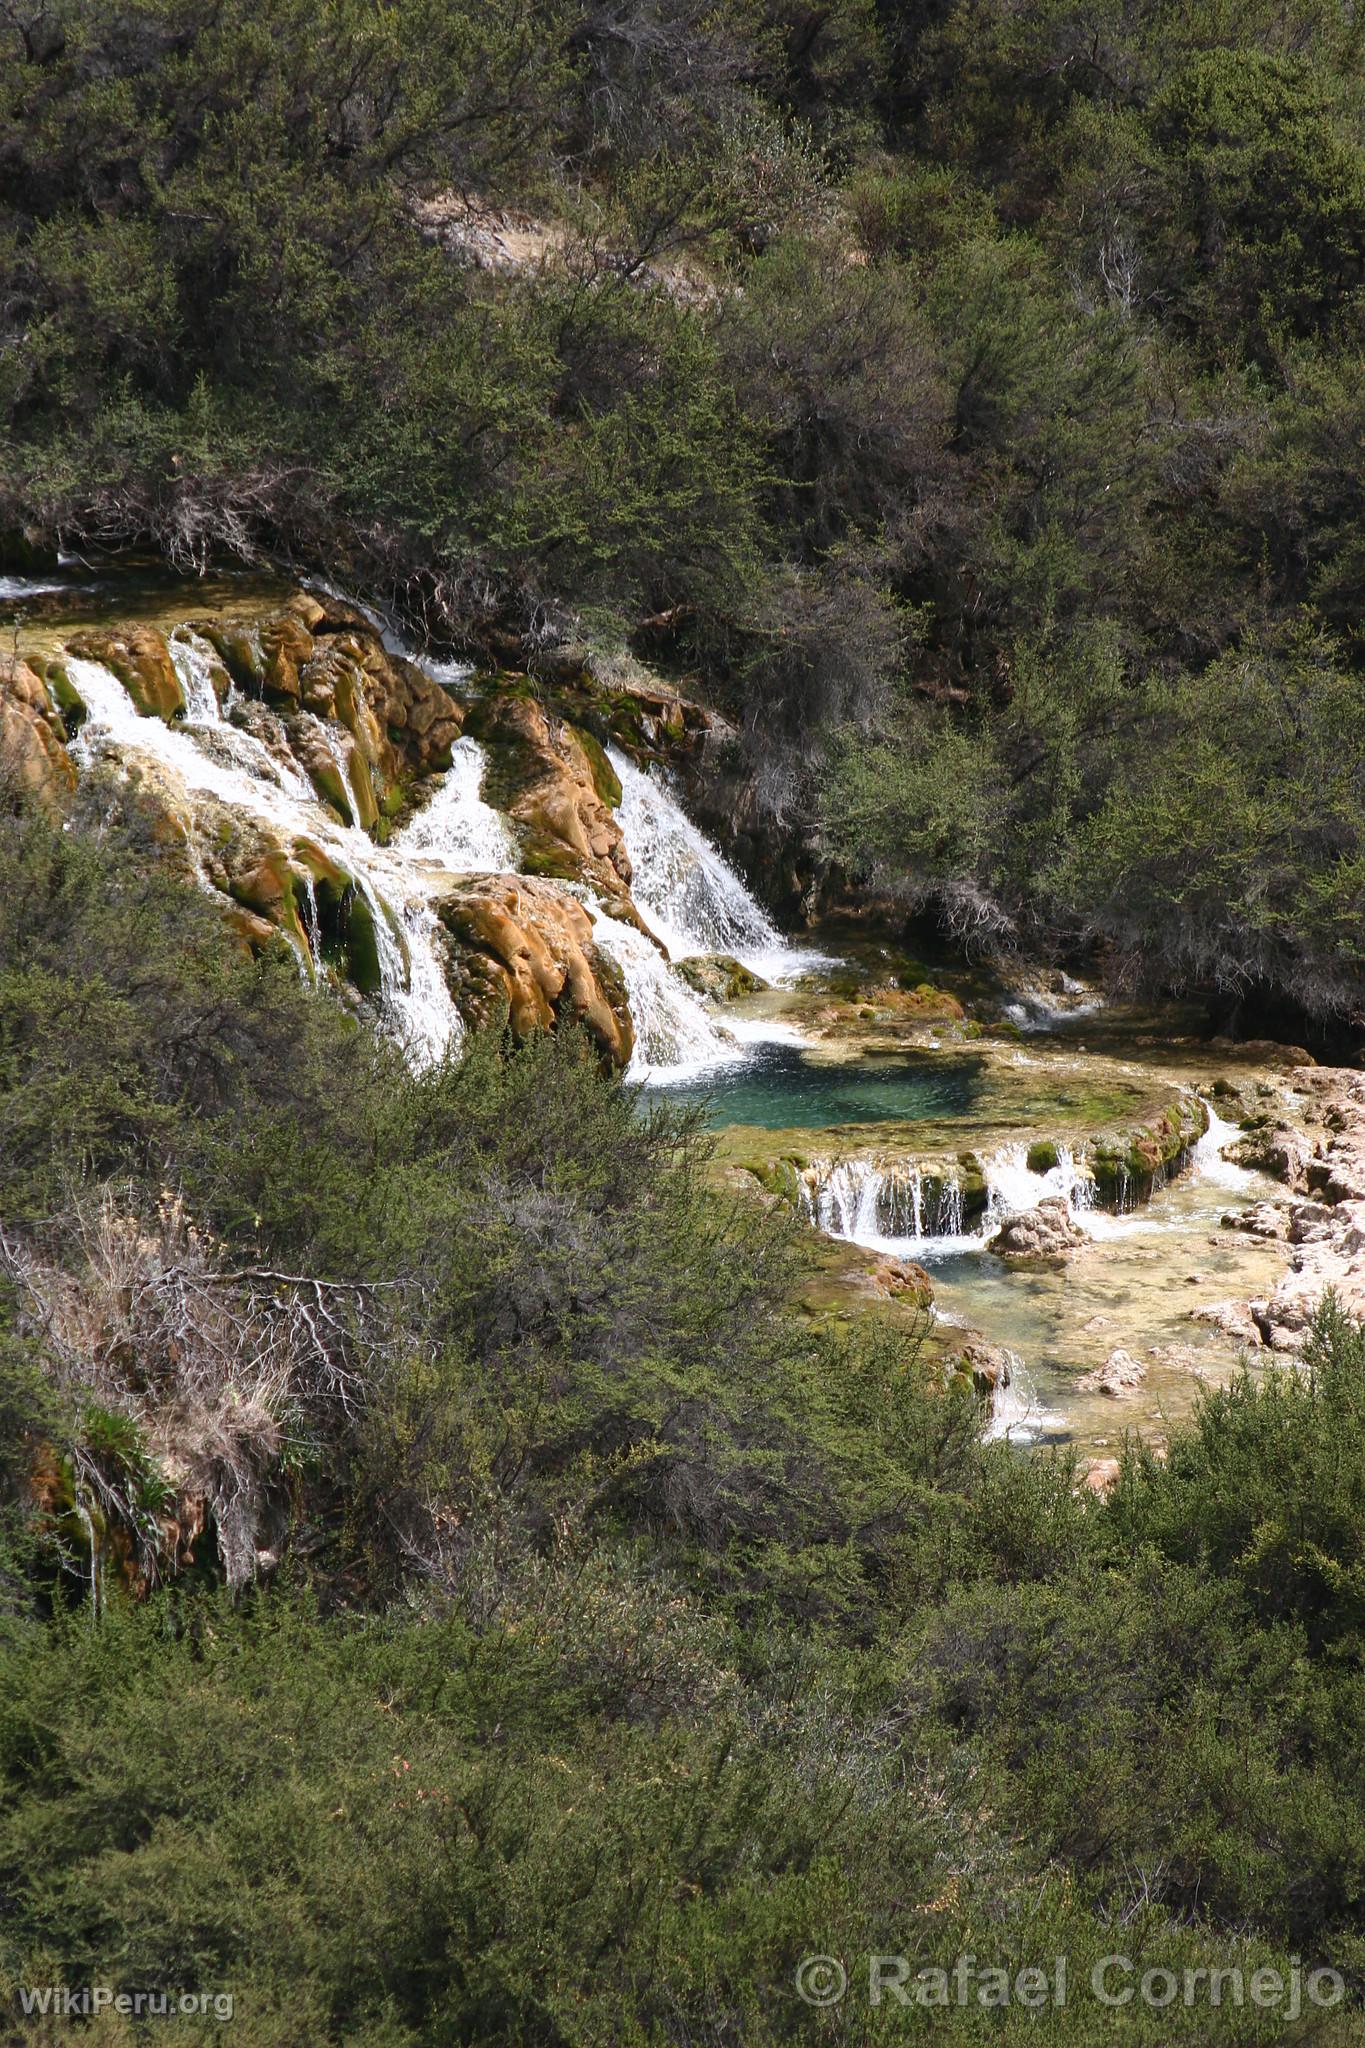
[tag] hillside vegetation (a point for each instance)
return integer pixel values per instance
(969, 396)
(447, 1595)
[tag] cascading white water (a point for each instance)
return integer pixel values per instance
(1037, 1009)
(676, 1035)
(882, 1205)
(1011, 1185)
(1209, 1162)
(206, 754)
(456, 828)
(1017, 1412)
(694, 902)
(685, 889)
(900, 1208)
(195, 663)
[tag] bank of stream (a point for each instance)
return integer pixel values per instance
(904, 1109)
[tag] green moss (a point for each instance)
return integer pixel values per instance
(542, 854)
(362, 947)
(605, 780)
(1042, 1156)
(64, 694)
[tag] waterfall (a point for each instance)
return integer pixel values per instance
(676, 1035)
(894, 1206)
(916, 1210)
(685, 889)
(1017, 1413)
(456, 828)
(1011, 1184)
(207, 755)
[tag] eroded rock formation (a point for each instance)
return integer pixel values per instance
(524, 944)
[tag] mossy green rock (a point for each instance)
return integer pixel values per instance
(719, 976)
(141, 659)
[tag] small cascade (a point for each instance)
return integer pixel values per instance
(1012, 1185)
(205, 754)
(1017, 1412)
(888, 1206)
(420, 1008)
(456, 829)
(1208, 1160)
(684, 888)
(917, 1211)
(194, 664)
(336, 752)
(1048, 1009)
(312, 923)
(676, 1035)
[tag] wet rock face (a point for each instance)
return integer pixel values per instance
(1047, 1232)
(557, 787)
(319, 659)
(32, 737)
(140, 658)
(521, 943)
(991, 1366)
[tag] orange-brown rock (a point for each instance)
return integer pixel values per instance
(141, 659)
(902, 1280)
(321, 656)
(1101, 1476)
(547, 778)
(31, 737)
(524, 944)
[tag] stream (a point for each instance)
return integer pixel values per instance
(902, 1118)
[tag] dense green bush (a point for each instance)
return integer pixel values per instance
(627, 1640)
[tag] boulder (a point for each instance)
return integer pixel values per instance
(1273, 1149)
(1121, 1373)
(1233, 1318)
(524, 947)
(141, 659)
(719, 976)
(902, 1280)
(1047, 1232)
(31, 737)
(552, 781)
